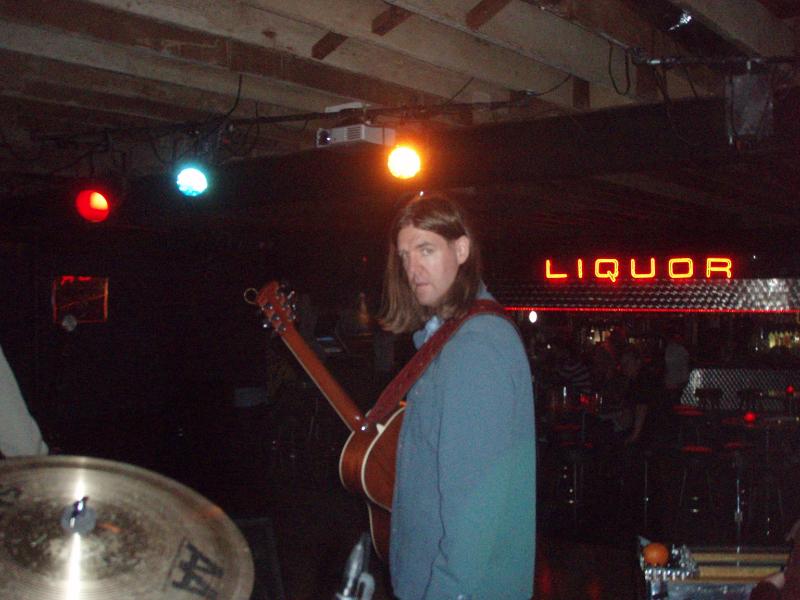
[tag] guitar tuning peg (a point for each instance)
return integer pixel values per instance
(275, 318)
(265, 323)
(281, 329)
(293, 317)
(291, 296)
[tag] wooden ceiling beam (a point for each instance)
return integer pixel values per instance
(53, 82)
(389, 19)
(617, 21)
(291, 34)
(428, 41)
(538, 36)
(151, 66)
(478, 15)
(327, 44)
(141, 34)
(747, 24)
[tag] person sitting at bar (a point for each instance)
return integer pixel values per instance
(626, 399)
(605, 360)
(571, 370)
(676, 367)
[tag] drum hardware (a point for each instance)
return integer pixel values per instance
(80, 528)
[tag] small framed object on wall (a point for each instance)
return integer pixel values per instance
(80, 299)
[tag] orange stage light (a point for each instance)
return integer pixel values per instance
(404, 162)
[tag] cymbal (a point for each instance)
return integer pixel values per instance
(78, 528)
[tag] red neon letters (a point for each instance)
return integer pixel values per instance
(611, 269)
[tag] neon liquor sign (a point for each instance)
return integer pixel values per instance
(613, 269)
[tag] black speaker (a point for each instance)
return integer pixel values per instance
(258, 532)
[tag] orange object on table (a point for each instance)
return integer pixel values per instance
(655, 554)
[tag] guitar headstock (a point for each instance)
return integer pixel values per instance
(277, 304)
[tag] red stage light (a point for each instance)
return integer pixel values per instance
(92, 205)
(750, 417)
(790, 390)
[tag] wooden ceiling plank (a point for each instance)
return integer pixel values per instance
(389, 19)
(534, 34)
(148, 65)
(166, 39)
(430, 42)
(327, 44)
(746, 23)
(57, 82)
(484, 10)
(617, 21)
(269, 31)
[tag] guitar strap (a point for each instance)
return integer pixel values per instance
(408, 375)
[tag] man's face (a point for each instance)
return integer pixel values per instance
(430, 262)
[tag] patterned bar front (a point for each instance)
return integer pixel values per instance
(729, 295)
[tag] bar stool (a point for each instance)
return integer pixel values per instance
(696, 496)
(750, 399)
(767, 516)
(738, 455)
(708, 399)
(572, 457)
(690, 421)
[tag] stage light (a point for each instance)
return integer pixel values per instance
(93, 204)
(404, 162)
(191, 180)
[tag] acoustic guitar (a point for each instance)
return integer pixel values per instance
(367, 462)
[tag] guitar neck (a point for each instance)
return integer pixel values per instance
(339, 400)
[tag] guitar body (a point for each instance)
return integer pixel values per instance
(367, 467)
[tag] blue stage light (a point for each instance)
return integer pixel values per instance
(192, 181)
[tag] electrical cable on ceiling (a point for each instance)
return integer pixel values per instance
(552, 89)
(461, 89)
(627, 71)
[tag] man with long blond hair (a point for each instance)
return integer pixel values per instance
(463, 514)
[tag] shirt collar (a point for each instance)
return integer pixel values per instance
(432, 325)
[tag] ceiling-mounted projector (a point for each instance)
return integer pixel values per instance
(351, 134)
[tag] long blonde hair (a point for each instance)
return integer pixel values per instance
(400, 312)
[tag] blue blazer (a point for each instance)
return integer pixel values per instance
(464, 511)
